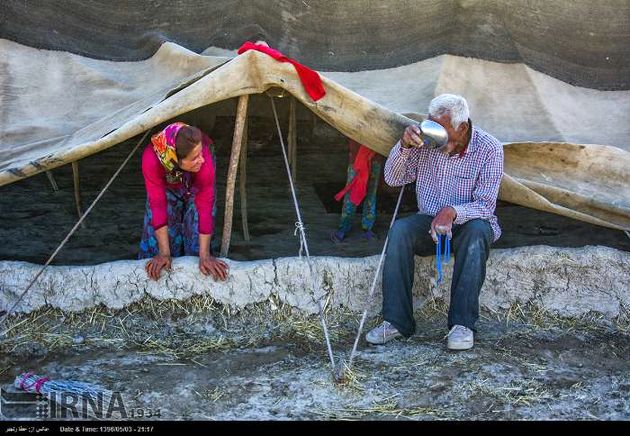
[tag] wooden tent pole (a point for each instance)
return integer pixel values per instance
(241, 117)
(77, 189)
(243, 183)
(292, 137)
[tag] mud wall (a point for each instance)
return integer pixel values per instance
(565, 281)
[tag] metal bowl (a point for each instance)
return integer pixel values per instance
(433, 134)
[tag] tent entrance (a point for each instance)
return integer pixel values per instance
(35, 218)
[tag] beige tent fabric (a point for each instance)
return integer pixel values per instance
(585, 182)
(57, 108)
(512, 101)
(52, 102)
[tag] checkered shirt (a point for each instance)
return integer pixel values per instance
(469, 183)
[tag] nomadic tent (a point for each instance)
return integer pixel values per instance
(550, 79)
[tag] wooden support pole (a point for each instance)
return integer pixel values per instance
(77, 189)
(243, 184)
(52, 181)
(292, 137)
(241, 116)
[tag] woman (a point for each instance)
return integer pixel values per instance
(179, 175)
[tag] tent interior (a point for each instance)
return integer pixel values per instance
(36, 217)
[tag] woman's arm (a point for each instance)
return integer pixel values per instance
(204, 200)
(204, 245)
(156, 193)
(161, 235)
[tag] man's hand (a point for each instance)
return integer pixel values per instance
(155, 266)
(411, 137)
(443, 223)
(210, 265)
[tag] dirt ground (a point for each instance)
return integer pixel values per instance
(35, 219)
(263, 365)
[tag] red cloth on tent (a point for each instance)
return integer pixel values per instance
(361, 165)
(310, 79)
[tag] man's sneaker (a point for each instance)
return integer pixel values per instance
(382, 334)
(460, 338)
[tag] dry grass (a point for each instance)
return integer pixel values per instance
(182, 348)
(166, 326)
(516, 393)
(351, 378)
(536, 316)
(541, 319)
(101, 326)
(211, 394)
(433, 308)
(384, 408)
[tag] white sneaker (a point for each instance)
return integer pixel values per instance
(460, 338)
(382, 334)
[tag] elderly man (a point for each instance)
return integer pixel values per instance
(456, 188)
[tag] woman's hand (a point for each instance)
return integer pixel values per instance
(210, 265)
(155, 266)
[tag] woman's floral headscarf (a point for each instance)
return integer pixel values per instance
(164, 145)
(165, 149)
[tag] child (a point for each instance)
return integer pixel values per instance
(364, 172)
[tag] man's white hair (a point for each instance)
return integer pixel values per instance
(454, 105)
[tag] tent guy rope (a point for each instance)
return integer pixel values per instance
(303, 242)
(381, 259)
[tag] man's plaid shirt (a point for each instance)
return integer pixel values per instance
(469, 183)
